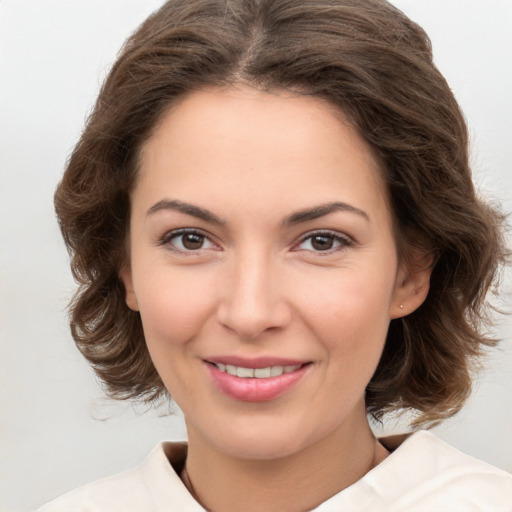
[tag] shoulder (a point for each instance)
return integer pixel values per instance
(152, 486)
(118, 491)
(425, 473)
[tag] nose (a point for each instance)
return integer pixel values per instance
(252, 300)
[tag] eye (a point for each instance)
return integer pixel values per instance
(187, 241)
(324, 241)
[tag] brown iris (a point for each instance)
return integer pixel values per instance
(192, 241)
(322, 242)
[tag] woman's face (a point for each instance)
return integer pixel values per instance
(261, 245)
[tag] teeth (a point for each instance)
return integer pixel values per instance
(230, 369)
(244, 372)
(275, 371)
(262, 373)
(258, 373)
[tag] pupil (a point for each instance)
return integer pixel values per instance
(193, 241)
(322, 243)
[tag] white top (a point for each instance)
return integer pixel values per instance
(424, 474)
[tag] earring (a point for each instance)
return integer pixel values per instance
(401, 306)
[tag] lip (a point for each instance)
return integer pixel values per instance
(256, 362)
(254, 389)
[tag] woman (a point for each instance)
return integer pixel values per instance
(271, 218)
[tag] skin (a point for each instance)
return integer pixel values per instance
(257, 286)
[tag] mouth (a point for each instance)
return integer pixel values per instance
(256, 373)
(256, 381)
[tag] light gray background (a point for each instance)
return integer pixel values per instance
(56, 430)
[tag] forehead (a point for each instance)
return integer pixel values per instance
(246, 117)
(238, 142)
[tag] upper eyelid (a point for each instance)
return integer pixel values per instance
(183, 231)
(333, 233)
(315, 232)
(345, 240)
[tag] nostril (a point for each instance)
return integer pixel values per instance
(252, 306)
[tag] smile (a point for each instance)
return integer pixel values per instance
(257, 373)
(256, 381)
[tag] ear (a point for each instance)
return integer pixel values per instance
(412, 285)
(126, 277)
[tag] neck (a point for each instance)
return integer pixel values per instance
(301, 481)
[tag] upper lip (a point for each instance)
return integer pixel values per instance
(256, 362)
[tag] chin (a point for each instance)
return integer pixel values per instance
(262, 441)
(261, 449)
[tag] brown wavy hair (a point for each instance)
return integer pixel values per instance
(372, 62)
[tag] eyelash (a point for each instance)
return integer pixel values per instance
(169, 237)
(342, 240)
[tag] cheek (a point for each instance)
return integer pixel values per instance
(174, 305)
(349, 313)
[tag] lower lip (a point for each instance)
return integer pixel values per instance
(253, 389)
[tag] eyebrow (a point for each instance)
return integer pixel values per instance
(187, 209)
(322, 210)
(299, 217)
